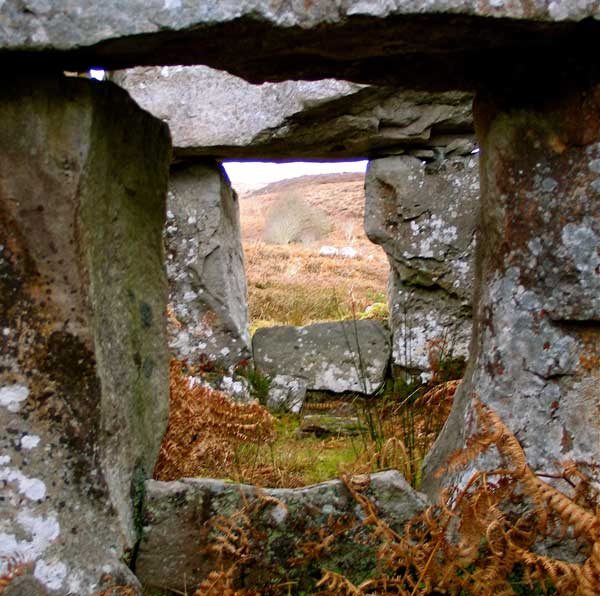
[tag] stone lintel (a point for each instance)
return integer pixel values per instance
(448, 44)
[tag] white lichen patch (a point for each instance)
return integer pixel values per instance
(30, 441)
(51, 573)
(32, 536)
(594, 166)
(32, 488)
(279, 513)
(434, 235)
(11, 396)
(582, 243)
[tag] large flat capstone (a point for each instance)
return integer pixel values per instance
(84, 382)
(441, 44)
(338, 356)
(214, 113)
(173, 553)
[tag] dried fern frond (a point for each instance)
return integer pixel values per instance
(14, 568)
(570, 513)
(336, 584)
(590, 573)
(218, 583)
(205, 428)
(325, 405)
(440, 394)
(172, 317)
(117, 591)
(472, 541)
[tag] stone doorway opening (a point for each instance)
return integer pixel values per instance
(535, 356)
(420, 203)
(339, 389)
(309, 267)
(307, 260)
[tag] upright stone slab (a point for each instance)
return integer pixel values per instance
(83, 358)
(205, 266)
(536, 342)
(423, 216)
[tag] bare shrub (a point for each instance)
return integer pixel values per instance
(292, 219)
(347, 226)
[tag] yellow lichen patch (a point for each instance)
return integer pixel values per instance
(556, 144)
(590, 356)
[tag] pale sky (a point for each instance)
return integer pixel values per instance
(97, 73)
(256, 173)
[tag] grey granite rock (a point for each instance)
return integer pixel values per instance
(338, 356)
(286, 394)
(423, 216)
(379, 41)
(205, 267)
(536, 343)
(84, 367)
(172, 551)
(214, 113)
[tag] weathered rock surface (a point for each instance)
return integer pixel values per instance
(424, 216)
(210, 112)
(536, 349)
(421, 43)
(175, 531)
(286, 394)
(83, 358)
(339, 356)
(205, 267)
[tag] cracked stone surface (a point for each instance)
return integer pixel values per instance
(536, 357)
(175, 531)
(338, 356)
(210, 112)
(83, 355)
(423, 216)
(205, 267)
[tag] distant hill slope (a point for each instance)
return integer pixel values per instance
(340, 196)
(293, 283)
(308, 180)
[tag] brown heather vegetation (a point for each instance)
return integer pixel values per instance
(206, 427)
(291, 283)
(480, 539)
(209, 435)
(467, 544)
(470, 543)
